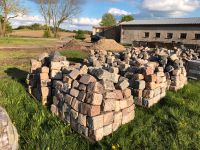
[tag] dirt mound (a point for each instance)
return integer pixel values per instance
(74, 45)
(108, 44)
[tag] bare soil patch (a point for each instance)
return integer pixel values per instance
(108, 45)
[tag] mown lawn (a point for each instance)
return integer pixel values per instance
(174, 123)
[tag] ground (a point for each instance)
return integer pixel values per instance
(173, 123)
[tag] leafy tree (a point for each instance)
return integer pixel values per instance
(108, 20)
(80, 35)
(8, 28)
(9, 9)
(127, 18)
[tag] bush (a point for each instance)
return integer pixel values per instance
(47, 34)
(80, 35)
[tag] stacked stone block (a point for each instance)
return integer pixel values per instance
(94, 104)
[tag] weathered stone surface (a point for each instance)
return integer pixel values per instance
(86, 79)
(74, 92)
(96, 135)
(82, 119)
(107, 130)
(95, 122)
(94, 98)
(108, 105)
(126, 93)
(81, 96)
(74, 74)
(122, 85)
(108, 85)
(95, 87)
(108, 118)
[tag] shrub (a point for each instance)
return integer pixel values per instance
(80, 35)
(47, 34)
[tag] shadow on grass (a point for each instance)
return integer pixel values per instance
(75, 60)
(17, 74)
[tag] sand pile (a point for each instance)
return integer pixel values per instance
(108, 44)
(74, 45)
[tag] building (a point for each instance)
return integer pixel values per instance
(177, 30)
(186, 31)
(112, 32)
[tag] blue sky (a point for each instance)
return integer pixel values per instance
(92, 11)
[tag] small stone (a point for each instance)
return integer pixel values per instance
(126, 93)
(56, 66)
(86, 79)
(95, 87)
(95, 122)
(110, 95)
(74, 92)
(108, 118)
(74, 74)
(44, 70)
(107, 130)
(81, 96)
(44, 76)
(83, 70)
(82, 119)
(108, 85)
(96, 135)
(108, 105)
(75, 84)
(118, 94)
(122, 85)
(68, 99)
(94, 98)
(75, 104)
(82, 87)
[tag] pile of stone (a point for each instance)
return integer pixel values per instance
(43, 71)
(150, 72)
(8, 132)
(149, 85)
(93, 100)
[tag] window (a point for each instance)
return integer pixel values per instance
(157, 35)
(183, 36)
(197, 36)
(169, 35)
(146, 34)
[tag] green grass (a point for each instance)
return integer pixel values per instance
(173, 123)
(75, 56)
(9, 41)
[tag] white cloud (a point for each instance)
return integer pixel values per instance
(86, 21)
(75, 23)
(172, 8)
(118, 12)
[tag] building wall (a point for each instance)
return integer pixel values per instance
(136, 33)
(112, 33)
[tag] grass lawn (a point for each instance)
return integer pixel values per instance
(17, 41)
(174, 123)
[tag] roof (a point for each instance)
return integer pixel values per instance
(167, 21)
(102, 27)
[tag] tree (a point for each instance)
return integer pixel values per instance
(80, 35)
(56, 12)
(108, 20)
(45, 10)
(127, 18)
(8, 26)
(9, 9)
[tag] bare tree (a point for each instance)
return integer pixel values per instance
(45, 10)
(9, 9)
(63, 10)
